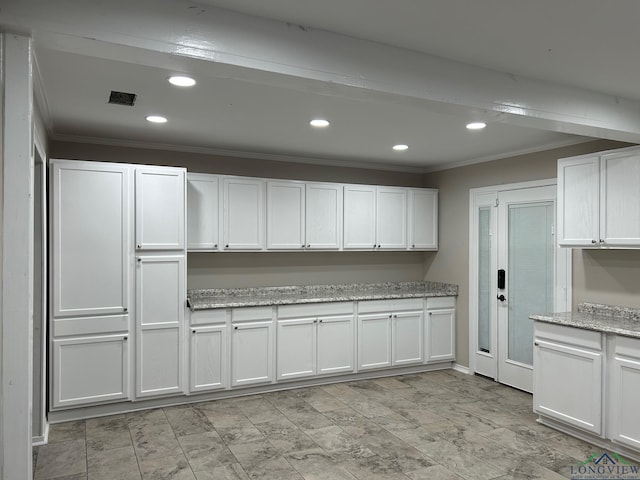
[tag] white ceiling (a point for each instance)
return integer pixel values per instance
(591, 44)
(244, 111)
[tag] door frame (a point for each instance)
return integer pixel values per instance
(563, 266)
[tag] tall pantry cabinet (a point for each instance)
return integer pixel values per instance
(117, 281)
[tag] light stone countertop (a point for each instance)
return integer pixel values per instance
(266, 296)
(623, 321)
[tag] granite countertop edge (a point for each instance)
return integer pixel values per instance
(208, 299)
(597, 317)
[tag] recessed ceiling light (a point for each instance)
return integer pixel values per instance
(182, 81)
(156, 119)
(319, 122)
(476, 125)
(400, 147)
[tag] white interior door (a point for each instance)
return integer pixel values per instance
(513, 275)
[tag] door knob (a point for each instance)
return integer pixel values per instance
(502, 298)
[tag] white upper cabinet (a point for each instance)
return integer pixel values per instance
(578, 200)
(375, 217)
(90, 230)
(323, 216)
(620, 198)
(160, 208)
(359, 217)
(203, 207)
(599, 199)
(243, 213)
(423, 219)
(285, 215)
(391, 218)
(240, 213)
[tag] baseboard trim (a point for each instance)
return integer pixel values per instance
(462, 369)
(38, 440)
(81, 413)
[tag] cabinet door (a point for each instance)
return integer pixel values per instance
(160, 300)
(90, 229)
(324, 216)
(391, 218)
(440, 335)
(578, 201)
(620, 199)
(203, 204)
(374, 341)
(423, 219)
(243, 212)
(359, 217)
(335, 344)
(625, 391)
(209, 359)
(407, 338)
(160, 208)
(296, 340)
(285, 215)
(89, 370)
(251, 353)
(562, 374)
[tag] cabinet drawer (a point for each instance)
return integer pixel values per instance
(568, 335)
(249, 314)
(373, 306)
(440, 302)
(90, 325)
(627, 346)
(315, 310)
(207, 317)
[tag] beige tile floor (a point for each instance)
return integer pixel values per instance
(437, 426)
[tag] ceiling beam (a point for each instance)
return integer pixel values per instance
(268, 51)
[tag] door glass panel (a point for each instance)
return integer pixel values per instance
(484, 279)
(529, 274)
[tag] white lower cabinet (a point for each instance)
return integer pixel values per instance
(374, 341)
(209, 358)
(296, 348)
(391, 336)
(335, 348)
(252, 346)
(562, 374)
(406, 337)
(590, 381)
(160, 320)
(314, 340)
(89, 370)
(568, 365)
(440, 330)
(624, 392)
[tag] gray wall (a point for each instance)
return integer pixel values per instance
(451, 262)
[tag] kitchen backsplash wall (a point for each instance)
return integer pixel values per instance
(220, 270)
(611, 277)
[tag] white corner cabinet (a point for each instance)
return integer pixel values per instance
(599, 199)
(117, 282)
(227, 213)
(587, 383)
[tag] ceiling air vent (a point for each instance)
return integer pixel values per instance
(122, 98)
